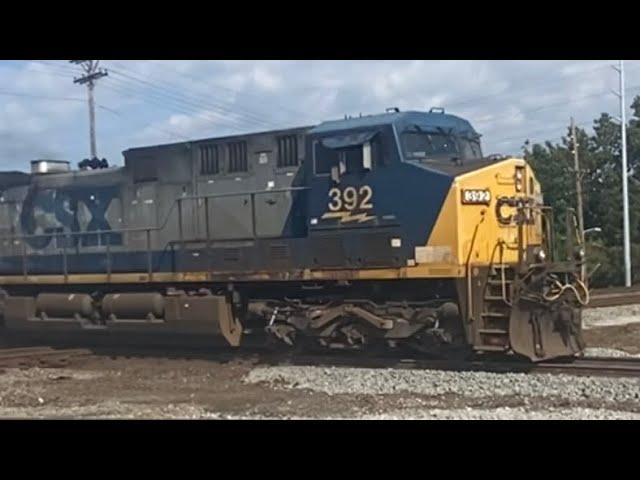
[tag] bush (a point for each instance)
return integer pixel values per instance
(611, 260)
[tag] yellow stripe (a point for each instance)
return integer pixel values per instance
(421, 271)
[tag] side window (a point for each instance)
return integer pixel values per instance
(352, 158)
(288, 151)
(209, 160)
(238, 157)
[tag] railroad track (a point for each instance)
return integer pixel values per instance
(44, 357)
(601, 366)
(595, 366)
(613, 297)
(591, 366)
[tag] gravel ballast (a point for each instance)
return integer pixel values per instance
(505, 413)
(607, 352)
(610, 316)
(335, 381)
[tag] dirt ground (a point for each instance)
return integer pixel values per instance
(199, 389)
(161, 388)
(146, 387)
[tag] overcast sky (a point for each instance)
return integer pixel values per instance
(43, 114)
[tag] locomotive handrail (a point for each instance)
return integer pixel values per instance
(254, 192)
(147, 230)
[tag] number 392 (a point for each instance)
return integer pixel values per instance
(350, 199)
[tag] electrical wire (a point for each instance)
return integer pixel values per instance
(174, 102)
(194, 100)
(185, 106)
(173, 106)
(235, 106)
(555, 105)
(534, 86)
(164, 65)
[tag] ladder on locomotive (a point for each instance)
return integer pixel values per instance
(493, 323)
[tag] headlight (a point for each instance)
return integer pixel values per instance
(541, 256)
(519, 179)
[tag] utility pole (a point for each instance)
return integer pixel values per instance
(576, 167)
(625, 176)
(578, 172)
(92, 74)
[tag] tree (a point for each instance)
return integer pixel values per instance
(600, 163)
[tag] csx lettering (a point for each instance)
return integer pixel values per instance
(350, 199)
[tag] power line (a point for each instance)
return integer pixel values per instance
(534, 86)
(537, 132)
(171, 101)
(226, 105)
(230, 119)
(174, 105)
(160, 129)
(41, 97)
(61, 67)
(102, 107)
(190, 108)
(160, 94)
(554, 105)
(195, 100)
(222, 87)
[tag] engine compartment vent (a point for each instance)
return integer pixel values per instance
(279, 252)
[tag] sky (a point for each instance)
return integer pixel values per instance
(44, 115)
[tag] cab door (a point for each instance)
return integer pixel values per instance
(350, 223)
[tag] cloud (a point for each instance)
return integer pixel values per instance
(266, 80)
(150, 102)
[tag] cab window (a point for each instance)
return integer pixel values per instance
(421, 145)
(352, 154)
(441, 147)
(470, 149)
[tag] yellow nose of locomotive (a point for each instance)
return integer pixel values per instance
(490, 231)
(481, 204)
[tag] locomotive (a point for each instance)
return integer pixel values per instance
(388, 231)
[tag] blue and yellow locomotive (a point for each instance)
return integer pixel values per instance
(388, 230)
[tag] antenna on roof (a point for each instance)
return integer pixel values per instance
(393, 109)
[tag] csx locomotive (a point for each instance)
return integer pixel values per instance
(381, 231)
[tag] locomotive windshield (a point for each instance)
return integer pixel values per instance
(439, 147)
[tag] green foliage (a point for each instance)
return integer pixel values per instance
(601, 172)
